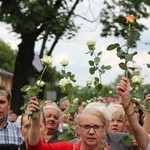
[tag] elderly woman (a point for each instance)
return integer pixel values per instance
(91, 128)
(142, 138)
(118, 120)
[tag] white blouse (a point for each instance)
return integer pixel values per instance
(148, 148)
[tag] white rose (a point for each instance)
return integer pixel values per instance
(136, 88)
(84, 103)
(64, 62)
(79, 88)
(46, 60)
(63, 82)
(40, 83)
(90, 80)
(136, 99)
(88, 101)
(91, 44)
(75, 100)
(110, 92)
(137, 79)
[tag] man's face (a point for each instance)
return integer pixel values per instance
(52, 117)
(26, 125)
(4, 108)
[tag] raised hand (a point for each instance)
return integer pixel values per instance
(33, 105)
(123, 87)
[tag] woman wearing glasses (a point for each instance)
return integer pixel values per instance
(92, 127)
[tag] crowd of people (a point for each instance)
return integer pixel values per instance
(99, 125)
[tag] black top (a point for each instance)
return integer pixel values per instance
(12, 146)
(8, 147)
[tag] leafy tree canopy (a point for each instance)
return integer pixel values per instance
(7, 57)
(44, 15)
(114, 12)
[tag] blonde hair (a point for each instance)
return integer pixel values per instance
(99, 110)
(115, 107)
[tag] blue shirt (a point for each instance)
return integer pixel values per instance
(10, 134)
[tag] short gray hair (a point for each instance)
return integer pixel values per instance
(53, 107)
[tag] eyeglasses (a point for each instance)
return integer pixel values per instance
(95, 127)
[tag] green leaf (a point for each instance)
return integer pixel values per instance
(135, 53)
(112, 46)
(103, 67)
(127, 140)
(134, 35)
(98, 87)
(72, 110)
(99, 53)
(91, 63)
(24, 88)
(61, 137)
(97, 79)
(133, 68)
(129, 57)
(148, 65)
(119, 48)
(23, 107)
(91, 53)
(108, 67)
(123, 66)
(96, 60)
(147, 105)
(92, 70)
(120, 53)
(63, 71)
(149, 52)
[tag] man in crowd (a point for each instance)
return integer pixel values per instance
(9, 132)
(52, 115)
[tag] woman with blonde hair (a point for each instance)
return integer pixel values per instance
(92, 128)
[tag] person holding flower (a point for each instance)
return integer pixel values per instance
(141, 136)
(92, 127)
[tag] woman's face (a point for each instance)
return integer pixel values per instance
(91, 129)
(118, 122)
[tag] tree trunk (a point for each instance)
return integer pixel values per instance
(22, 70)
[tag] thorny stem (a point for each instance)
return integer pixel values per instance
(128, 47)
(43, 71)
(97, 65)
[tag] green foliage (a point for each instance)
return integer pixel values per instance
(128, 139)
(68, 88)
(148, 65)
(28, 16)
(113, 46)
(96, 67)
(114, 22)
(7, 57)
(123, 53)
(68, 133)
(33, 91)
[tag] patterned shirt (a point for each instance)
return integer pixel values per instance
(10, 134)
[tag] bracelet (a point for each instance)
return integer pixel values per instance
(125, 108)
(129, 115)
